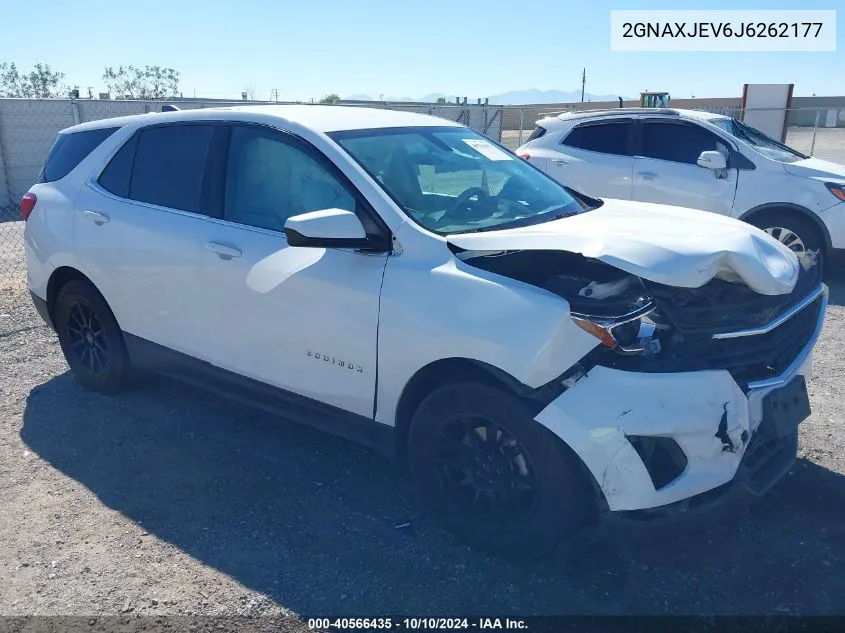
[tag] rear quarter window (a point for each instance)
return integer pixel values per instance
(117, 175)
(607, 137)
(71, 149)
(537, 133)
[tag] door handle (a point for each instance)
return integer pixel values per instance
(560, 161)
(223, 251)
(96, 217)
(647, 175)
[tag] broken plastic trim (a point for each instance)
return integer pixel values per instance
(663, 458)
(728, 445)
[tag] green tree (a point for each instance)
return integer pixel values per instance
(441, 100)
(330, 98)
(135, 82)
(10, 80)
(39, 83)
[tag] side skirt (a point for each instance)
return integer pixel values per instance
(162, 360)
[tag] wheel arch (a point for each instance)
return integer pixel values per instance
(789, 207)
(58, 278)
(442, 372)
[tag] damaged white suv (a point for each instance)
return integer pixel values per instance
(541, 360)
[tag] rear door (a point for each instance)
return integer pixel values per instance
(596, 158)
(139, 230)
(666, 170)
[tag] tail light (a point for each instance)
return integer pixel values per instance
(27, 205)
(525, 155)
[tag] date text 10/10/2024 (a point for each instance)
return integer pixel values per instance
(417, 624)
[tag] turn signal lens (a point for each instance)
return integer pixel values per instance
(836, 190)
(598, 331)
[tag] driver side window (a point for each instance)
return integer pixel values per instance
(269, 179)
(679, 142)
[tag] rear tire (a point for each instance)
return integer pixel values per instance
(493, 476)
(90, 338)
(796, 232)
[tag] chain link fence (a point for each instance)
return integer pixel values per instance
(28, 128)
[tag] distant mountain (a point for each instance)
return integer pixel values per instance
(513, 97)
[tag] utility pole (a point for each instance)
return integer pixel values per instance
(583, 83)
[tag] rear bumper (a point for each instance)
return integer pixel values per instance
(41, 308)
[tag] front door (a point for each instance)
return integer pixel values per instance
(302, 319)
(666, 170)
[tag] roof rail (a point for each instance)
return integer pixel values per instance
(612, 112)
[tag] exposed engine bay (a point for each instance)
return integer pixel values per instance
(648, 326)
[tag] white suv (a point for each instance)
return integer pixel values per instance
(541, 360)
(699, 160)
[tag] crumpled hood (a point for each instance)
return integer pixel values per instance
(816, 168)
(668, 245)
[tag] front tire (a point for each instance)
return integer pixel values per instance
(90, 338)
(494, 477)
(798, 233)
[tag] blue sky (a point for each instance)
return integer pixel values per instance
(472, 48)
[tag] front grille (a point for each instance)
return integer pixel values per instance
(751, 358)
(721, 306)
(687, 320)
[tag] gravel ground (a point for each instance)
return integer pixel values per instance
(169, 501)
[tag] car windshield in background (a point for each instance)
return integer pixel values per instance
(766, 145)
(452, 180)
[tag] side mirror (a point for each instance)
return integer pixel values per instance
(712, 160)
(329, 228)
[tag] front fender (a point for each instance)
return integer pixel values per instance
(446, 309)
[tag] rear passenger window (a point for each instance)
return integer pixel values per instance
(609, 137)
(169, 166)
(71, 149)
(678, 142)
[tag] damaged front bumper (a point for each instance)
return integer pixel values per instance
(668, 446)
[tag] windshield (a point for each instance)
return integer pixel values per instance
(766, 145)
(452, 180)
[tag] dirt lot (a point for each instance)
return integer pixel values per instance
(170, 501)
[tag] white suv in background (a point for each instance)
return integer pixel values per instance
(539, 359)
(699, 160)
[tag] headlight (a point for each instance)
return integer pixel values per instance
(836, 190)
(631, 333)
